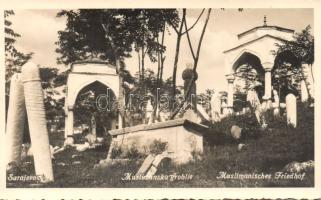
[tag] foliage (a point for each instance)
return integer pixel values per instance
(204, 99)
(158, 147)
(116, 151)
(84, 36)
(126, 152)
(302, 46)
(288, 71)
(54, 101)
(14, 59)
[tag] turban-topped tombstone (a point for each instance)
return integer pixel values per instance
(37, 121)
(187, 76)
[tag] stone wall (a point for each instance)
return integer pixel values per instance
(182, 136)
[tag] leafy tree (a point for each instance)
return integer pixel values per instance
(111, 35)
(14, 59)
(85, 34)
(299, 51)
(302, 46)
(54, 100)
(180, 33)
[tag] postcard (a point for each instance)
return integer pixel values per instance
(206, 99)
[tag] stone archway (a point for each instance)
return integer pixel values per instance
(259, 43)
(82, 74)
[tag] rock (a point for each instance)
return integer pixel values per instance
(236, 132)
(69, 141)
(61, 164)
(91, 138)
(100, 140)
(75, 156)
(82, 147)
(241, 147)
(26, 151)
(109, 162)
(76, 163)
(299, 167)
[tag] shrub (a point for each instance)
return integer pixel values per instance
(158, 147)
(132, 152)
(116, 151)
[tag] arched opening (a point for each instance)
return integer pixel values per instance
(286, 74)
(248, 71)
(95, 112)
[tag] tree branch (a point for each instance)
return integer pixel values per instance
(189, 87)
(189, 41)
(194, 22)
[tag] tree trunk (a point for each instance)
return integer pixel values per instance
(143, 63)
(139, 71)
(178, 42)
(191, 82)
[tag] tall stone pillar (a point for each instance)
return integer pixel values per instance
(230, 92)
(35, 107)
(216, 106)
(276, 104)
(267, 85)
(15, 120)
(120, 121)
(304, 91)
(291, 110)
(70, 122)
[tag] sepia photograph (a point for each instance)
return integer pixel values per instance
(159, 98)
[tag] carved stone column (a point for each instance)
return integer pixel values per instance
(230, 92)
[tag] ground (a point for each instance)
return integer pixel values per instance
(266, 151)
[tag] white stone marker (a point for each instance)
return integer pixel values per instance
(304, 91)
(149, 112)
(15, 120)
(37, 121)
(253, 99)
(216, 106)
(276, 103)
(291, 111)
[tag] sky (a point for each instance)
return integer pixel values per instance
(39, 32)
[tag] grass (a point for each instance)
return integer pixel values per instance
(267, 151)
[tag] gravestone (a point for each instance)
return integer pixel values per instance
(253, 99)
(15, 120)
(149, 112)
(304, 91)
(276, 103)
(37, 121)
(216, 107)
(291, 109)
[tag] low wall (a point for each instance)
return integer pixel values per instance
(182, 136)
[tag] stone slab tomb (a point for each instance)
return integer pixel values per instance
(183, 137)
